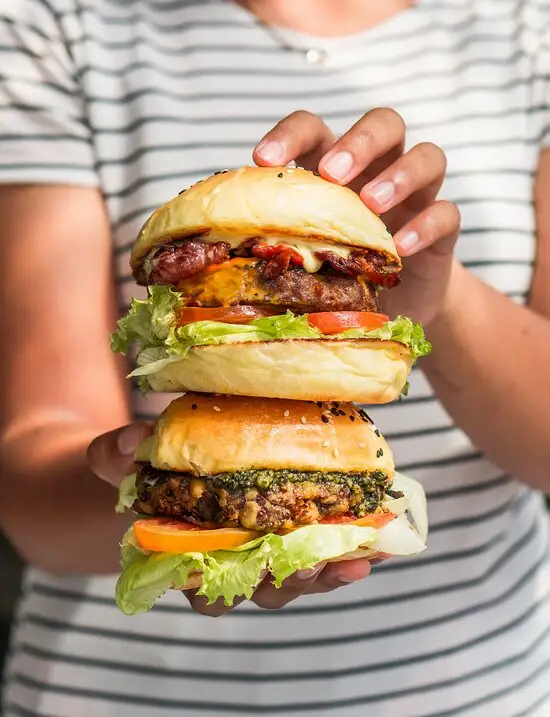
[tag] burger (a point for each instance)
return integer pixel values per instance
(229, 489)
(265, 282)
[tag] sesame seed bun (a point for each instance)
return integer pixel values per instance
(266, 201)
(207, 435)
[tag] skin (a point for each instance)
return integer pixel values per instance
(62, 387)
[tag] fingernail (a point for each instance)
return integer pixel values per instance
(338, 165)
(129, 439)
(270, 151)
(408, 241)
(307, 574)
(383, 192)
(345, 579)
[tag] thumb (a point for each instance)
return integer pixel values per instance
(111, 455)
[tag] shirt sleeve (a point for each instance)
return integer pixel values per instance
(542, 74)
(44, 133)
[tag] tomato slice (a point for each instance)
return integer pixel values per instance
(333, 322)
(225, 314)
(373, 520)
(164, 535)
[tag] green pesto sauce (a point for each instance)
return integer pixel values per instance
(368, 487)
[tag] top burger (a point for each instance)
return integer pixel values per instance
(265, 282)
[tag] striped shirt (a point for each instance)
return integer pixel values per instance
(144, 97)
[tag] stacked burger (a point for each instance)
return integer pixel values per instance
(262, 309)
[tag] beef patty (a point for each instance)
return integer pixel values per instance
(262, 500)
(240, 281)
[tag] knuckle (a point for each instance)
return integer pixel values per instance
(391, 115)
(440, 218)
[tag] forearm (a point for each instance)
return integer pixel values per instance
(57, 513)
(490, 367)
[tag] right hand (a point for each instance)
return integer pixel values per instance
(111, 458)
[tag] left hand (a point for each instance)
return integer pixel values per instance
(400, 186)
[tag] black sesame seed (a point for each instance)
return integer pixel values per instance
(193, 406)
(352, 418)
(182, 191)
(320, 404)
(324, 419)
(334, 411)
(379, 453)
(341, 413)
(280, 175)
(377, 433)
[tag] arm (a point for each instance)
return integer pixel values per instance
(61, 386)
(490, 364)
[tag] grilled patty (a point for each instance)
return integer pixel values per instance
(241, 282)
(261, 500)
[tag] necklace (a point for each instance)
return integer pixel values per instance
(291, 42)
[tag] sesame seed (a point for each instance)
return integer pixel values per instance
(379, 453)
(352, 418)
(335, 453)
(280, 175)
(341, 413)
(286, 414)
(336, 404)
(324, 419)
(216, 408)
(326, 444)
(320, 404)
(334, 411)
(377, 432)
(303, 419)
(361, 445)
(194, 406)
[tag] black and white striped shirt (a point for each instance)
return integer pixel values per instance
(143, 97)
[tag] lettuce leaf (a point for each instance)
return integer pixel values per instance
(151, 325)
(148, 321)
(227, 574)
(402, 329)
(127, 493)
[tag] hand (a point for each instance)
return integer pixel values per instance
(111, 455)
(321, 579)
(400, 186)
(111, 458)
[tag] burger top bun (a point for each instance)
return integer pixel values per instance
(261, 201)
(206, 435)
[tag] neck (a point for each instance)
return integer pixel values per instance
(325, 18)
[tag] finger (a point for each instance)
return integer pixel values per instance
(200, 604)
(301, 136)
(111, 455)
(378, 133)
(420, 171)
(437, 227)
(269, 597)
(336, 575)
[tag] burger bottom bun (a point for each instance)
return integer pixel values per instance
(362, 370)
(194, 580)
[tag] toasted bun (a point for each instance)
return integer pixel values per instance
(206, 435)
(362, 370)
(260, 201)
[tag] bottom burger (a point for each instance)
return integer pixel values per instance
(230, 490)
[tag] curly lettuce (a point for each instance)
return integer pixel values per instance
(151, 326)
